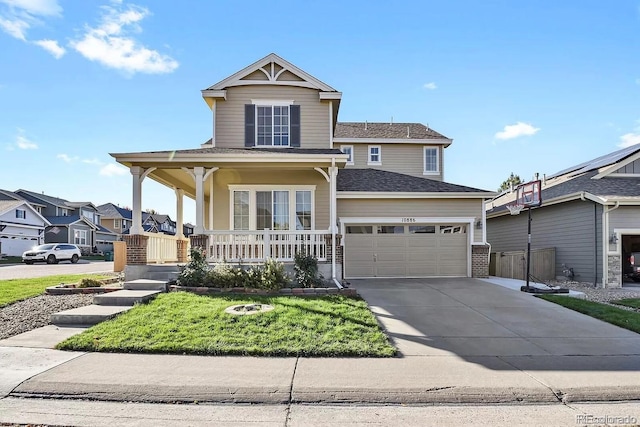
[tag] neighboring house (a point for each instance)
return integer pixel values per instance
(590, 214)
(280, 174)
(71, 222)
(115, 218)
(21, 226)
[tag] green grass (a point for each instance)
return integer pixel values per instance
(616, 316)
(628, 302)
(14, 290)
(185, 323)
(11, 260)
(93, 257)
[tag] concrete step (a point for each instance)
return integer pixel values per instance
(86, 316)
(165, 275)
(124, 297)
(146, 285)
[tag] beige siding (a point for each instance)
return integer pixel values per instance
(314, 114)
(225, 177)
(400, 208)
(402, 158)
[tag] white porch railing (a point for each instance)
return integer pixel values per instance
(161, 248)
(256, 246)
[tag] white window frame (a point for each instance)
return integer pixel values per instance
(377, 162)
(351, 160)
(76, 239)
(24, 214)
(424, 160)
(253, 189)
(271, 103)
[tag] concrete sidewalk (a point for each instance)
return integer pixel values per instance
(460, 341)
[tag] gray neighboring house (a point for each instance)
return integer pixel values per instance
(21, 225)
(590, 213)
(71, 222)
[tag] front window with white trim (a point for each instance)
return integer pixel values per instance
(289, 208)
(375, 155)
(272, 125)
(80, 237)
(21, 214)
(348, 150)
(431, 161)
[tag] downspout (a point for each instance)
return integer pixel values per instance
(605, 242)
(595, 239)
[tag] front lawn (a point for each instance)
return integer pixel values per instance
(11, 260)
(628, 302)
(14, 290)
(616, 316)
(182, 322)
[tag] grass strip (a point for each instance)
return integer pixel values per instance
(628, 302)
(616, 316)
(184, 323)
(14, 290)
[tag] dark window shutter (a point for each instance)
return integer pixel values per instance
(249, 125)
(294, 112)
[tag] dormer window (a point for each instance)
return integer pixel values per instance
(272, 123)
(21, 214)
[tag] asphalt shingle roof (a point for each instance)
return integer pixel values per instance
(7, 205)
(384, 181)
(385, 131)
(62, 220)
(109, 210)
(39, 197)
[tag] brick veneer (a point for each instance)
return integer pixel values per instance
(199, 241)
(480, 261)
(327, 238)
(183, 256)
(136, 249)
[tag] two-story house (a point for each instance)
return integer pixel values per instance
(280, 174)
(115, 218)
(71, 222)
(21, 225)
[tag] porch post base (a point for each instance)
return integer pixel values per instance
(182, 250)
(614, 276)
(136, 249)
(480, 261)
(327, 238)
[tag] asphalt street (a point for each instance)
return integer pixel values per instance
(23, 271)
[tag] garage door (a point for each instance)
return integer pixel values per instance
(15, 246)
(417, 250)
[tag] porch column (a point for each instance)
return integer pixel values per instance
(333, 174)
(179, 213)
(198, 172)
(138, 176)
(211, 203)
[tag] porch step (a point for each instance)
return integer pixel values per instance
(146, 285)
(87, 316)
(162, 275)
(125, 297)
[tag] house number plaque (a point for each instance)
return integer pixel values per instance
(408, 220)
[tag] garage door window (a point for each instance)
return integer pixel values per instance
(422, 229)
(359, 229)
(453, 229)
(390, 229)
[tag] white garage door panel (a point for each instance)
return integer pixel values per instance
(15, 247)
(406, 254)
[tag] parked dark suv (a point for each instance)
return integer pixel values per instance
(634, 271)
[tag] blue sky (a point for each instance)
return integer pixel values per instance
(521, 87)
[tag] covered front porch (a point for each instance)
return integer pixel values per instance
(251, 204)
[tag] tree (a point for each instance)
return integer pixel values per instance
(513, 180)
(151, 211)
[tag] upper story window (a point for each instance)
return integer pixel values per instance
(62, 212)
(21, 213)
(431, 161)
(348, 149)
(116, 224)
(375, 155)
(272, 124)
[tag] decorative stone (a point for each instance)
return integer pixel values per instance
(248, 309)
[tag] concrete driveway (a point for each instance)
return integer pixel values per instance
(471, 318)
(22, 271)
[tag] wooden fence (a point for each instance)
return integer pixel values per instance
(513, 264)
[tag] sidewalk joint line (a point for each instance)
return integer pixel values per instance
(289, 402)
(558, 396)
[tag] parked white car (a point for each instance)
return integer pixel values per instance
(52, 253)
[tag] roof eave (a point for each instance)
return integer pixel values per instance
(413, 195)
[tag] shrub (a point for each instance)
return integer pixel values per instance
(272, 276)
(306, 270)
(224, 275)
(195, 272)
(88, 282)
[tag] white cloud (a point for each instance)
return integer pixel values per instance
(111, 43)
(66, 158)
(20, 15)
(430, 86)
(629, 139)
(517, 130)
(93, 161)
(52, 47)
(22, 142)
(113, 169)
